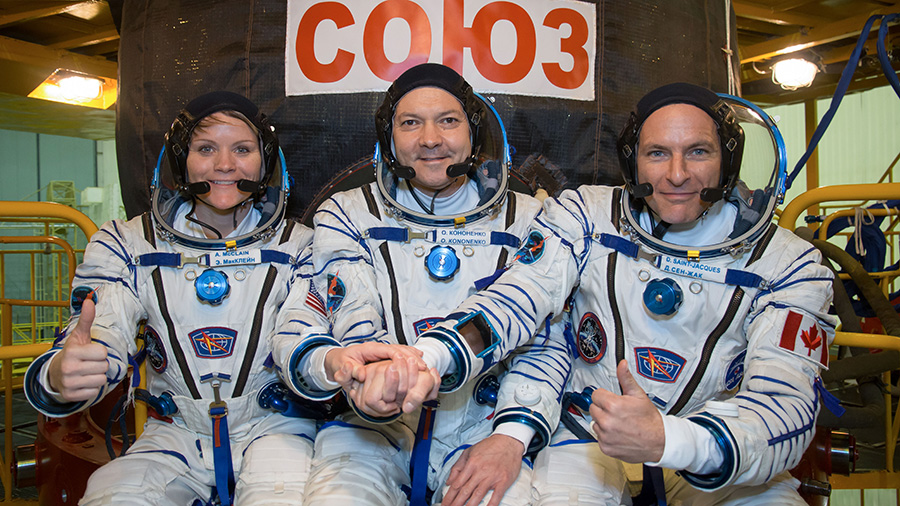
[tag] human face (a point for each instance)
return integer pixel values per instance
(223, 151)
(678, 153)
(431, 133)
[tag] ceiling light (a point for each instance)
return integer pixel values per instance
(76, 88)
(794, 73)
(80, 89)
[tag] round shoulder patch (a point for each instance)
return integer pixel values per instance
(156, 352)
(591, 339)
(79, 294)
(735, 371)
(532, 250)
(336, 293)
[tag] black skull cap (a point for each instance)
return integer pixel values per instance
(429, 74)
(215, 101)
(677, 93)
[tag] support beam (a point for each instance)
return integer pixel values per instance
(86, 40)
(849, 27)
(29, 14)
(42, 56)
(775, 16)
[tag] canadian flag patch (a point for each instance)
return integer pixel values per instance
(803, 336)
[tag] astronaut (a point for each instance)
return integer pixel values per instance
(699, 328)
(207, 269)
(395, 256)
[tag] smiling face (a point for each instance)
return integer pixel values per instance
(430, 133)
(223, 150)
(678, 153)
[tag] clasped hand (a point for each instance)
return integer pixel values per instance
(383, 380)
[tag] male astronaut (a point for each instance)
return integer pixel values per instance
(396, 255)
(208, 269)
(699, 326)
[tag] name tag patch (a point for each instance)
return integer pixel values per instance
(243, 257)
(691, 268)
(460, 237)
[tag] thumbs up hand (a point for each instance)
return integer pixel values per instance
(78, 372)
(628, 426)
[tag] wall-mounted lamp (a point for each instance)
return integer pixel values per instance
(75, 88)
(794, 73)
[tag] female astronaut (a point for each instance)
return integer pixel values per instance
(208, 269)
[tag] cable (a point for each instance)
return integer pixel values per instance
(844, 83)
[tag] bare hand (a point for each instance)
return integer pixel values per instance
(426, 388)
(78, 372)
(393, 386)
(343, 365)
(492, 464)
(628, 426)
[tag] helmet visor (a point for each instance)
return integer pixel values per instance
(763, 169)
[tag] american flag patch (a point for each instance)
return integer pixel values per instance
(314, 300)
(803, 336)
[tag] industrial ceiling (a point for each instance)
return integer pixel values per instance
(38, 36)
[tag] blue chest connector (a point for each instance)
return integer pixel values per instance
(663, 296)
(442, 263)
(212, 286)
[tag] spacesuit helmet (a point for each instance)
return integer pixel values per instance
(171, 187)
(487, 164)
(753, 166)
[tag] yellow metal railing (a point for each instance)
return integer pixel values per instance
(788, 219)
(61, 278)
(864, 192)
(38, 212)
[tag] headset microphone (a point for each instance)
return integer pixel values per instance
(642, 190)
(198, 188)
(250, 186)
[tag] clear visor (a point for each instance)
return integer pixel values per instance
(490, 174)
(764, 164)
(166, 200)
(761, 187)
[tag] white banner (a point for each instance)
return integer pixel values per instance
(530, 47)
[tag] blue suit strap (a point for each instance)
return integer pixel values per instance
(653, 488)
(272, 256)
(505, 239)
(418, 459)
(159, 260)
(620, 244)
(743, 278)
(395, 234)
(221, 442)
(403, 234)
(734, 277)
(224, 469)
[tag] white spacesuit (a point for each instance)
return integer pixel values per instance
(210, 307)
(723, 324)
(392, 266)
